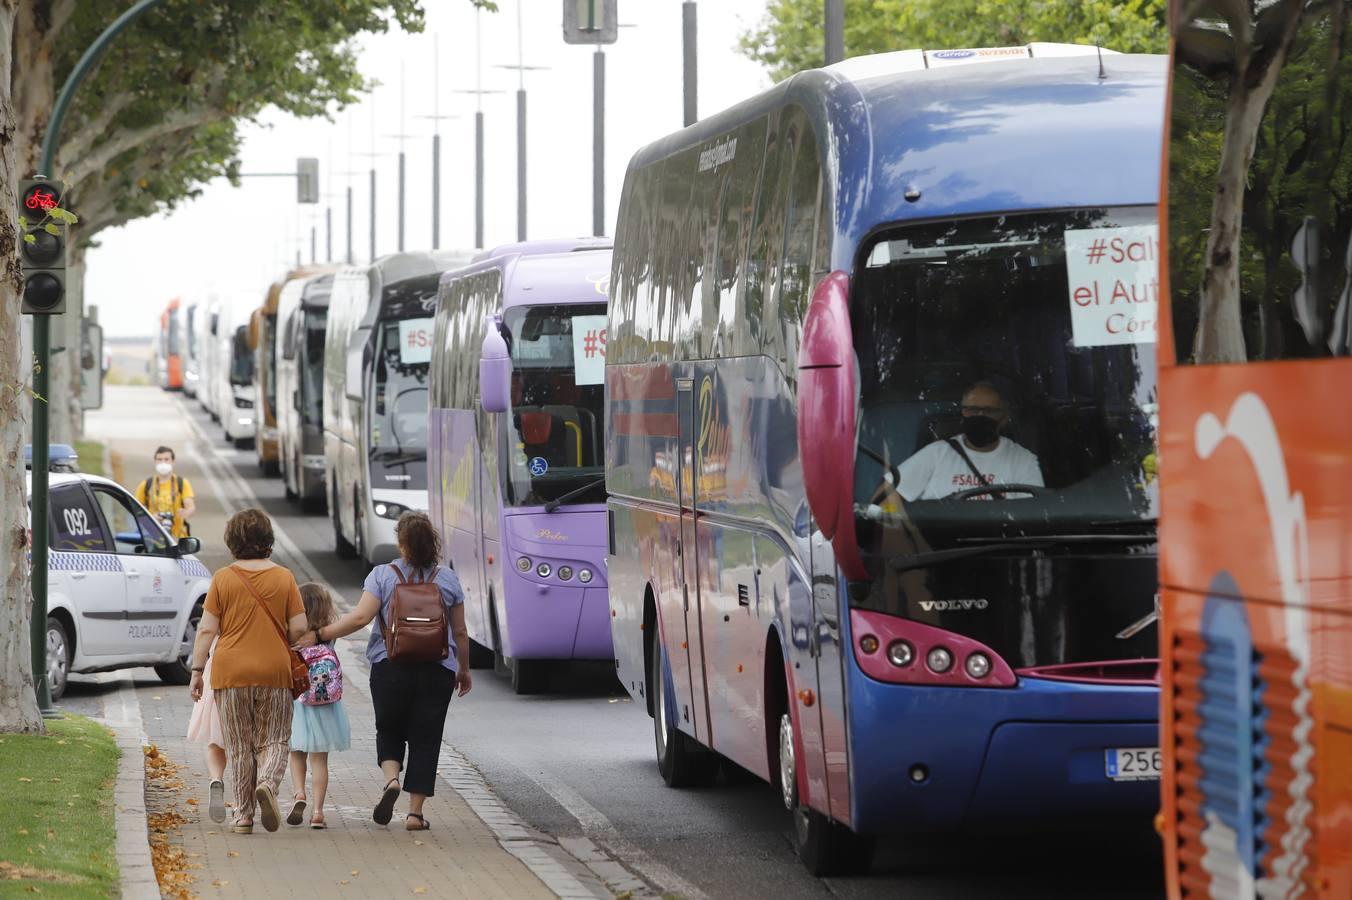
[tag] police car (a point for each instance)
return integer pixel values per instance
(120, 592)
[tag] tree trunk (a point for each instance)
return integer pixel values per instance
(1220, 331)
(18, 705)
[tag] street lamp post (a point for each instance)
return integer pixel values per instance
(690, 61)
(835, 31)
(373, 155)
(521, 70)
(437, 118)
(478, 92)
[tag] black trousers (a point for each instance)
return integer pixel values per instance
(410, 701)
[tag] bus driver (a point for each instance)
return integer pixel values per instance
(981, 456)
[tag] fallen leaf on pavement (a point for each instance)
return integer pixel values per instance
(356, 872)
(420, 890)
(344, 881)
(191, 801)
(219, 882)
(232, 853)
(417, 843)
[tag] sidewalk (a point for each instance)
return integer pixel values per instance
(458, 857)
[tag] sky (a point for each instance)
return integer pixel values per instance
(238, 240)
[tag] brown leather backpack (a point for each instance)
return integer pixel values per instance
(416, 631)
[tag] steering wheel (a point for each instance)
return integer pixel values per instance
(1033, 489)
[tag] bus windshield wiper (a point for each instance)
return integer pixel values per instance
(1011, 544)
(576, 492)
(396, 457)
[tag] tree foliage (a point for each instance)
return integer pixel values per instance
(789, 38)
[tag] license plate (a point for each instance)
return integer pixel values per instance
(1132, 763)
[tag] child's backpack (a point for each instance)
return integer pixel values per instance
(326, 676)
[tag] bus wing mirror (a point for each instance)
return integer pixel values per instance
(827, 418)
(495, 373)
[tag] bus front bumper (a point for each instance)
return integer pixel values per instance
(957, 759)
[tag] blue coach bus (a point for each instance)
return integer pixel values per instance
(880, 443)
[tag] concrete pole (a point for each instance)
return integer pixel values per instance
(599, 142)
(328, 233)
(401, 201)
(436, 192)
(691, 63)
(373, 214)
(350, 258)
(835, 31)
(521, 164)
(479, 179)
(314, 244)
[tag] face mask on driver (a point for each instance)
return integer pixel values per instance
(164, 468)
(980, 430)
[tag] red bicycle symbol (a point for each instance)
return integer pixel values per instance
(40, 199)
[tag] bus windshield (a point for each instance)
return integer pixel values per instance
(558, 387)
(312, 369)
(241, 358)
(399, 403)
(1009, 360)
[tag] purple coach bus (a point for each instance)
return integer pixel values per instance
(516, 451)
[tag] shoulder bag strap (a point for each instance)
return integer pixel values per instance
(958, 449)
(249, 586)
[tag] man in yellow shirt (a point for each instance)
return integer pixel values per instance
(167, 496)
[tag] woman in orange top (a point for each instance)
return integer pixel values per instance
(251, 665)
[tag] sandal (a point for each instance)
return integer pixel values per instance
(297, 814)
(385, 808)
(267, 806)
(423, 824)
(317, 821)
(242, 828)
(217, 806)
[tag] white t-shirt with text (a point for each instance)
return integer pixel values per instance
(938, 470)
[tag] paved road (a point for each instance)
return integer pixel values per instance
(579, 760)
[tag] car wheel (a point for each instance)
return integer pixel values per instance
(58, 658)
(680, 759)
(180, 670)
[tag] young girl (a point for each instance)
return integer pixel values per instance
(204, 727)
(318, 722)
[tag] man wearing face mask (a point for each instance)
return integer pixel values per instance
(979, 456)
(167, 496)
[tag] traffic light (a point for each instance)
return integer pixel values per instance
(42, 246)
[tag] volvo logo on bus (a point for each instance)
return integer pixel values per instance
(953, 605)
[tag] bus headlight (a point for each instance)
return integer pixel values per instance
(900, 654)
(390, 510)
(565, 573)
(869, 644)
(523, 564)
(978, 665)
(585, 576)
(939, 660)
(544, 570)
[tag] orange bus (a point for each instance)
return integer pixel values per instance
(1255, 453)
(169, 348)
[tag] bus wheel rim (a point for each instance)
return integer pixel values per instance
(788, 766)
(661, 704)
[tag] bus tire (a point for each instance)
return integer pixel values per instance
(680, 759)
(341, 545)
(480, 657)
(528, 675)
(825, 847)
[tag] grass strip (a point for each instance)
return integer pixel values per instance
(57, 832)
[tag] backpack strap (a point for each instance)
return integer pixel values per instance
(145, 491)
(399, 574)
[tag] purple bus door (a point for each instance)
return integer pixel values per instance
(690, 563)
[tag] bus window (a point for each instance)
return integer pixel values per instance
(312, 373)
(558, 386)
(762, 256)
(399, 410)
(795, 273)
(947, 311)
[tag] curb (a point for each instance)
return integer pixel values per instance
(135, 870)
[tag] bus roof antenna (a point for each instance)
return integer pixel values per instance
(1099, 48)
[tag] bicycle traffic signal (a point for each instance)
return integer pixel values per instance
(42, 246)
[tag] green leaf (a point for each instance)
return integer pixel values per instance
(23, 222)
(30, 239)
(63, 215)
(52, 228)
